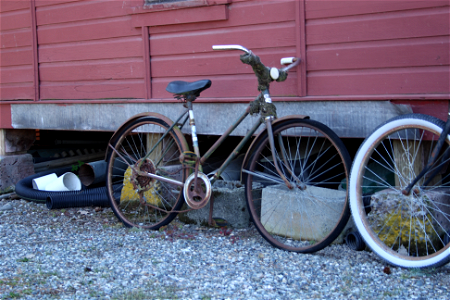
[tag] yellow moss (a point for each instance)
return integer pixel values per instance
(130, 194)
(420, 230)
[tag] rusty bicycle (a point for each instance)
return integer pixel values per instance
(295, 170)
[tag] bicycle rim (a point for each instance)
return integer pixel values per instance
(295, 219)
(405, 230)
(141, 201)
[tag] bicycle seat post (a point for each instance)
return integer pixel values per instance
(193, 129)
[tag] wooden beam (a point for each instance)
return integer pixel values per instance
(35, 50)
(301, 46)
(147, 65)
(181, 16)
(2, 142)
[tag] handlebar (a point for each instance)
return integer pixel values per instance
(231, 47)
(290, 61)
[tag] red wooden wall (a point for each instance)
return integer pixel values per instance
(96, 50)
(377, 47)
(16, 52)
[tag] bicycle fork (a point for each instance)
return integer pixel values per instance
(300, 184)
(432, 160)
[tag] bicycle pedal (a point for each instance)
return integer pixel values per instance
(188, 157)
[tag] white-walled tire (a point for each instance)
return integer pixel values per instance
(408, 231)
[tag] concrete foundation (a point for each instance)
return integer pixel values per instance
(229, 204)
(14, 168)
(315, 211)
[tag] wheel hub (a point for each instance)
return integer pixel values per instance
(143, 183)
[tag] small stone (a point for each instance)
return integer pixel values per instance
(7, 206)
(420, 282)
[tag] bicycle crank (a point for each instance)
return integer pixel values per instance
(197, 191)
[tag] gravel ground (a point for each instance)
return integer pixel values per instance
(84, 253)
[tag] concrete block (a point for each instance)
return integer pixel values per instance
(229, 204)
(18, 141)
(14, 168)
(315, 210)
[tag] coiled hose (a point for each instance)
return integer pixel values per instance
(355, 241)
(86, 197)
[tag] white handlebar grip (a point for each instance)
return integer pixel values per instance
(287, 60)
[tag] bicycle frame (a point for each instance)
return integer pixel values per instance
(211, 150)
(264, 78)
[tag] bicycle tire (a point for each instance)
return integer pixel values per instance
(298, 220)
(410, 231)
(140, 201)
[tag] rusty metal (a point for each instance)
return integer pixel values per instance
(197, 190)
(224, 136)
(143, 183)
(160, 178)
(272, 148)
(237, 150)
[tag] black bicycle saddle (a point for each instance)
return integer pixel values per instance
(183, 87)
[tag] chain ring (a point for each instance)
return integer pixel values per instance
(198, 196)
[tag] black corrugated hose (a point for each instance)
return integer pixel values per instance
(86, 197)
(355, 241)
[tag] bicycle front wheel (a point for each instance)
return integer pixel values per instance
(409, 230)
(314, 160)
(141, 201)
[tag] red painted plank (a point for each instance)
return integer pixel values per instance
(217, 62)
(92, 70)
(94, 90)
(229, 86)
(398, 25)
(53, 2)
(5, 116)
(16, 57)
(21, 91)
(181, 16)
(429, 80)
(252, 37)
(16, 38)
(366, 55)
(91, 30)
(11, 5)
(316, 9)
(240, 14)
(79, 11)
(16, 20)
(103, 49)
(16, 74)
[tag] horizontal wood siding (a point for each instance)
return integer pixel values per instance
(377, 47)
(16, 60)
(88, 50)
(184, 52)
(94, 49)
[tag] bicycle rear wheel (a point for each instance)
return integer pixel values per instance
(141, 201)
(299, 220)
(405, 230)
